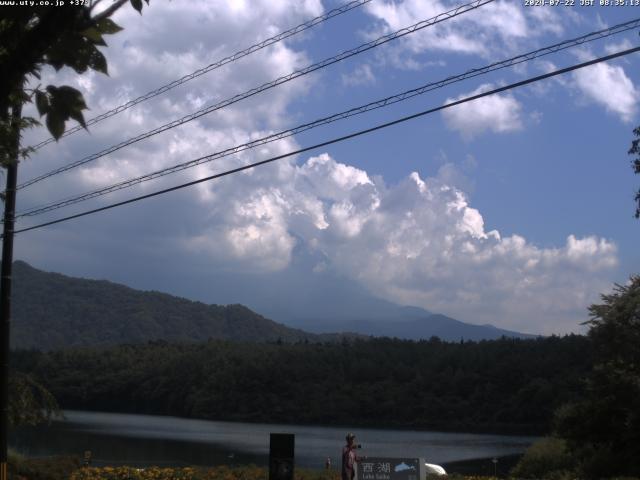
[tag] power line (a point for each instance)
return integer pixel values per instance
(231, 58)
(339, 139)
(338, 116)
(286, 78)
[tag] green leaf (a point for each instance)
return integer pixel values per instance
(98, 62)
(81, 59)
(66, 96)
(42, 102)
(93, 35)
(108, 26)
(78, 117)
(72, 50)
(137, 4)
(59, 52)
(65, 102)
(55, 124)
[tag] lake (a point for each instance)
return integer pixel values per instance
(142, 440)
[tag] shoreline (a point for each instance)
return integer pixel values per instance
(494, 429)
(143, 440)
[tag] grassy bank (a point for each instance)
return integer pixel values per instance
(215, 473)
(69, 468)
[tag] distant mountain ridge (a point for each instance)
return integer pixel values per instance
(420, 327)
(323, 302)
(52, 311)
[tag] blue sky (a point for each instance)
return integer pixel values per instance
(514, 210)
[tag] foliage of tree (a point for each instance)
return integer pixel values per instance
(635, 150)
(32, 37)
(30, 402)
(547, 458)
(505, 385)
(603, 429)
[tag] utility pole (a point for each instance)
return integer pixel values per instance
(5, 280)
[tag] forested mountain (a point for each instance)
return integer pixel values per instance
(507, 385)
(51, 311)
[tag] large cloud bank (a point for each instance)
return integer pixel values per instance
(418, 241)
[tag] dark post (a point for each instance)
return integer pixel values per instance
(5, 286)
(281, 456)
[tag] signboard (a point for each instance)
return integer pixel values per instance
(385, 468)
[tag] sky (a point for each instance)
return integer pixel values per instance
(515, 209)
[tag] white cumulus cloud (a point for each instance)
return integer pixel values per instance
(496, 113)
(417, 242)
(609, 86)
(493, 28)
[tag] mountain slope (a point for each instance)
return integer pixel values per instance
(51, 311)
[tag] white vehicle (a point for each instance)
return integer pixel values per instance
(433, 469)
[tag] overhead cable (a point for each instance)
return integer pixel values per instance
(279, 81)
(525, 57)
(338, 139)
(231, 58)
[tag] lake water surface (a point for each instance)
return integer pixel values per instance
(142, 440)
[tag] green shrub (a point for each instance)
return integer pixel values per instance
(547, 458)
(50, 468)
(222, 472)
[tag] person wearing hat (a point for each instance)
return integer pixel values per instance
(349, 458)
